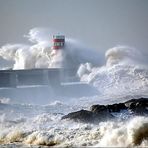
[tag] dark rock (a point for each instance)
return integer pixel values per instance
(82, 115)
(109, 108)
(129, 102)
(89, 116)
(99, 113)
(102, 116)
(98, 108)
(141, 100)
(138, 106)
(116, 107)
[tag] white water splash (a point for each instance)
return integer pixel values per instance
(40, 54)
(124, 73)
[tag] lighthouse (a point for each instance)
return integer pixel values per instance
(58, 55)
(58, 42)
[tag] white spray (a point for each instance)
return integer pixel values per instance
(122, 55)
(125, 73)
(40, 54)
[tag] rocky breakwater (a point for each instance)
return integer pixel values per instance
(99, 113)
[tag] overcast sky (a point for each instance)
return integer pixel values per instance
(100, 24)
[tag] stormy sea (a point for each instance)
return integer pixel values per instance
(105, 118)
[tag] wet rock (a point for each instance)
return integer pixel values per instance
(89, 116)
(99, 113)
(98, 108)
(138, 106)
(102, 115)
(116, 107)
(82, 115)
(129, 103)
(109, 108)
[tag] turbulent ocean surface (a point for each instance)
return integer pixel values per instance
(123, 77)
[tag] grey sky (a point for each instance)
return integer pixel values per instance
(100, 24)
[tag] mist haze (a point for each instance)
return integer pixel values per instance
(100, 24)
(92, 91)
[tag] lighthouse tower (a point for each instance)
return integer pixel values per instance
(58, 42)
(57, 53)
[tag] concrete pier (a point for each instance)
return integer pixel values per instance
(53, 77)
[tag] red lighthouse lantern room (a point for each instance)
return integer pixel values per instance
(58, 42)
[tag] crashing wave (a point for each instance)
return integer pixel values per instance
(124, 73)
(39, 55)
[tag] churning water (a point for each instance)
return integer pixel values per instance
(124, 76)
